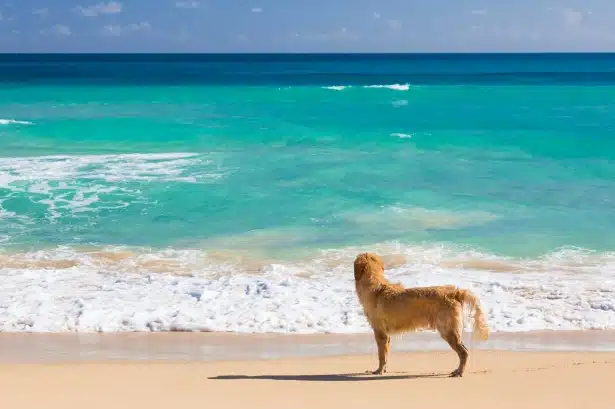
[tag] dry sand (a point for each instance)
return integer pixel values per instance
(495, 379)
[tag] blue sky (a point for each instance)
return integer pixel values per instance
(306, 26)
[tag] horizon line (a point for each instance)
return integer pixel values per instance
(304, 53)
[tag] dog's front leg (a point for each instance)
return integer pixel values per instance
(384, 342)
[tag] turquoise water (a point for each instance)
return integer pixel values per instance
(236, 190)
(517, 170)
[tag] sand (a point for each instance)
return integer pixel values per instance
(495, 379)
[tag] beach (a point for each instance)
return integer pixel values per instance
(495, 377)
(180, 229)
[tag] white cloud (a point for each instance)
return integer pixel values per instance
(342, 34)
(117, 30)
(188, 4)
(40, 12)
(113, 7)
(257, 10)
(376, 16)
(59, 30)
(113, 30)
(395, 25)
(572, 17)
(479, 12)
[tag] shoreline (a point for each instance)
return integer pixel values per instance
(16, 348)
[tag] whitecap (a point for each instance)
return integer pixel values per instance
(395, 87)
(402, 135)
(337, 87)
(47, 179)
(139, 289)
(13, 121)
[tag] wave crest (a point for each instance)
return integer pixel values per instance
(402, 135)
(13, 121)
(394, 87)
(132, 289)
(71, 185)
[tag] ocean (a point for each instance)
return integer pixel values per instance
(232, 192)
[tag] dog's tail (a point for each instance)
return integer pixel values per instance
(480, 330)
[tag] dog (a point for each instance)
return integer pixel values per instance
(393, 309)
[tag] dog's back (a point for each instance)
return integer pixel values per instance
(395, 309)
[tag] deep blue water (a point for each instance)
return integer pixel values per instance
(308, 69)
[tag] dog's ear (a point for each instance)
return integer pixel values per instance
(377, 261)
(361, 264)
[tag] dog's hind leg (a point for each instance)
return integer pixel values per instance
(384, 343)
(452, 335)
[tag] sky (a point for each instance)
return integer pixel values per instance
(306, 25)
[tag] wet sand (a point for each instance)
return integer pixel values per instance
(184, 346)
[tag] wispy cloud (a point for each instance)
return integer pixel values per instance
(59, 30)
(117, 30)
(62, 30)
(572, 17)
(4, 17)
(479, 12)
(395, 25)
(376, 15)
(257, 10)
(188, 4)
(40, 12)
(342, 34)
(113, 7)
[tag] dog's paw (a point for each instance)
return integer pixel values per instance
(456, 374)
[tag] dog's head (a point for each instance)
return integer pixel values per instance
(368, 264)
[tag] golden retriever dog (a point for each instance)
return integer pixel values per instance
(392, 309)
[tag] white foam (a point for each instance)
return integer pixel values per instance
(13, 121)
(68, 185)
(395, 87)
(191, 290)
(402, 135)
(400, 103)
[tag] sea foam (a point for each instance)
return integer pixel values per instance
(395, 87)
(123, 289)
(68, 185)
(13, 121)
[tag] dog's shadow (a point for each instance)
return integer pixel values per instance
(351, 377)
